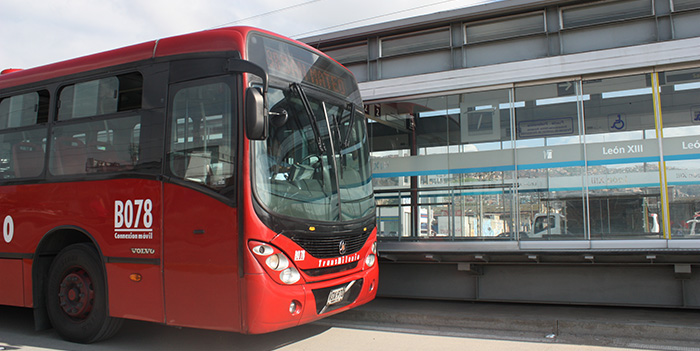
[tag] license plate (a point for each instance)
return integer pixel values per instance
(335, 296)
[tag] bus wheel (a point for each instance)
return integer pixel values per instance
(76, 296)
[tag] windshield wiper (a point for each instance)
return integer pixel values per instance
(346, 140)
(310, 114)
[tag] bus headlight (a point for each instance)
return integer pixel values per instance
(263, 250)
(277, 262)
(277, 265)
(290, 275)
(374, 247)
(370, 260)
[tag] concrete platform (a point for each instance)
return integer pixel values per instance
(639, 328)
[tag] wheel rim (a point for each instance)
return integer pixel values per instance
(76, 294)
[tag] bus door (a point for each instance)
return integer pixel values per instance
(200, 238)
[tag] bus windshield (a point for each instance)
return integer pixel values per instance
(314, 165)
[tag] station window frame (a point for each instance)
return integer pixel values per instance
(428, 46)
(684, 5)
(351, 58)
(510, 34)
(605, 5)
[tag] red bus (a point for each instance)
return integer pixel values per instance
(216, 180)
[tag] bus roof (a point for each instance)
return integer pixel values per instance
(222, 39)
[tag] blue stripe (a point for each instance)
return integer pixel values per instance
(624, 160)
(481, 192)
(567, 189)
(681, 157)
(683, 183)
(623, 186)
(551, 165)
(408, 174)
(481, 169)
(579, 163)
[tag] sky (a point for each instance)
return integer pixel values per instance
(38, 32)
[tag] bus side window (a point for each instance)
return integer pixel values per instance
(22, 152)
(202, 130)
(28, 159)
(108, 145)
(70, 156)
(100, 96)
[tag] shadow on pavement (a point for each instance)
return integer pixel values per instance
(17, 333)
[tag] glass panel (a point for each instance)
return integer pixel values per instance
(201, 146)
(392, 131)
(680, 105)
(505, 28)
(554, 214)
(101, 96)
(315, 163)
(462, 213)
(431, 124)
(409, 147)
(297, 64)
(605, 12)
(680, 5)
(431, 40)
(22, 154)
(24, 110)
(348, 54)
(443, 167)
(550, 162)
(546, 115)
(484, 123)
(623, 158)
(481, 164)
(89, 99)
(394, 214)
(392, 142)
(355, 177)
(95, 147)
(294, 175)
(476, 214)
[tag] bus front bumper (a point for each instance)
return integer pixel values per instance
(272, 306)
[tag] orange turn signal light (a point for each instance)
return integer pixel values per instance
(135, 277)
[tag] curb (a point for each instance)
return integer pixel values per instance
(637, 327)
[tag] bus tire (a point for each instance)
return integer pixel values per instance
(76, 296)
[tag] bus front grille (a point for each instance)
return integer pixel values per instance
(329, 246)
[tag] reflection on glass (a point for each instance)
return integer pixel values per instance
(624, 201)
(201, 140)
(624, 194)
(314, 165)
(95, 146)
(680, 96)
(619, 108)
(394, 215)
(586, 166)
(481, 203)
(22, 153)
(551, 204)
(550, 163)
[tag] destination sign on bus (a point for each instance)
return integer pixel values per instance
(281, 63)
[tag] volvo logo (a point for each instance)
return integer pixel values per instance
(143, 251)
(342, 247)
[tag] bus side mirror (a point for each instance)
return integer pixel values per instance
(256, 119)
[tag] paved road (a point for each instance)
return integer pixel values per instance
(17, 333)
(631, 327)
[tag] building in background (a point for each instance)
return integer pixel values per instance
(536, 150)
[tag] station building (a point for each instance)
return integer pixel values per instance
(535, 150)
